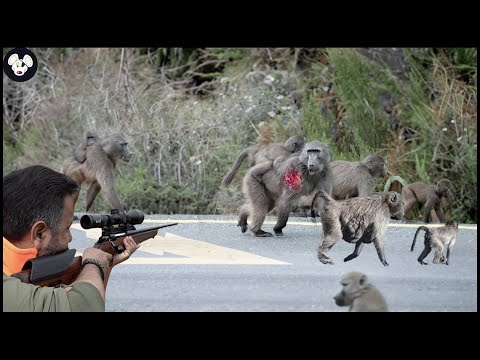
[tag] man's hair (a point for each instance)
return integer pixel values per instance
(32, 194)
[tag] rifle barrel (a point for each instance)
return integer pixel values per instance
(140, 231)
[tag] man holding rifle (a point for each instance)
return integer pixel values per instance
(38, 206)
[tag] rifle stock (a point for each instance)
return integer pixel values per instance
(65, 273)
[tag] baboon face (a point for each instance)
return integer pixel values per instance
(295, 143)
(117, 147)
(443, 187)
(315, 157)
(376, 165)
(351, 284)
(396, 204)
(452, 224)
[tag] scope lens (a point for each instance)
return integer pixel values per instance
(92, 221)
(135, 217)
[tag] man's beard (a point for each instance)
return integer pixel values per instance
(53, 247)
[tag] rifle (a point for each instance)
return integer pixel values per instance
(63, 268)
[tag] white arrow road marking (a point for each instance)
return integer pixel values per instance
(193, 251)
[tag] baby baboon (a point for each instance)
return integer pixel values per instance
(281, 184)
(359, 221)
(355, 178)
(275, 151)
(80, 153)
(359, 294)
(437, 239)
(428, 196)
(98, 170)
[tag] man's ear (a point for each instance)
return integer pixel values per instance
(38, 233)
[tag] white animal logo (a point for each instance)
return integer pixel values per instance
(20, 66)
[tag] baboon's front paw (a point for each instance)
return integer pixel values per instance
(261, 233)
(348, 258)
(385, 263)
(243, 227)
(278, 232)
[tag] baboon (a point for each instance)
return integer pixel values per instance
(355, 178)
(80, 153)
(446, 202)
(428, 196)
(268, 153)
(98, 169)
(359, 294)
(359, 221)
(437, 239)
(281, 184)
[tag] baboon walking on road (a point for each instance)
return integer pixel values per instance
(98, 169)
(359, 294)
(355, 178)
(280, 185)
(428, 196)
(437, 239)
(271, 152)
(359, 221)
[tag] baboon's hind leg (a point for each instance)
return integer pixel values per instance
(92, 193)
(242, 220)
(424, 254)
(358, 249)
(335, 234)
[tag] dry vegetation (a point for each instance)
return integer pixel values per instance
(188, 113)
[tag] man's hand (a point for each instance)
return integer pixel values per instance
(130, 247)
(97, 254)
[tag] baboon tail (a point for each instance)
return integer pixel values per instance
(236, 165)
(390, 181)
(416, 233)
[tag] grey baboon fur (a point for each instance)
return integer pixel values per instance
(359, 221)
(350, 179)
(428, 196)
(271, 152)
(437, 239)
(98, 169)
(264, 188)
(359, 294)
(80, 153)
(355, 178)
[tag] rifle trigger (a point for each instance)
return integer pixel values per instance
(118, 248)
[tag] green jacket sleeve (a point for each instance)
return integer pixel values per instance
(19, 296)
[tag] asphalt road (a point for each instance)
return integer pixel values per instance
(206, 264)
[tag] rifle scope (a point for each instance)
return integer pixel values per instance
(99, 221)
